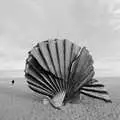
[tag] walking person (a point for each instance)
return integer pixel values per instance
(13, 82)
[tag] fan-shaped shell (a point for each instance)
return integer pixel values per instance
(62, 70)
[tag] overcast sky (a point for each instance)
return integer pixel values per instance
(91, 23)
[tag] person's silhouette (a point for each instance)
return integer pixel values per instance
(13, 82)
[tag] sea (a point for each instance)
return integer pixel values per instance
(112, 84)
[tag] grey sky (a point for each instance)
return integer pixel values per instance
(93, 23)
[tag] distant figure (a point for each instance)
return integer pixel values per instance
(13, 82)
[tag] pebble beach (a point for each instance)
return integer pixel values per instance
(17, 102)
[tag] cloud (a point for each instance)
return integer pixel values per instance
(89, 23)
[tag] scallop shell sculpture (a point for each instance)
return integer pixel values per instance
(62, 71)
